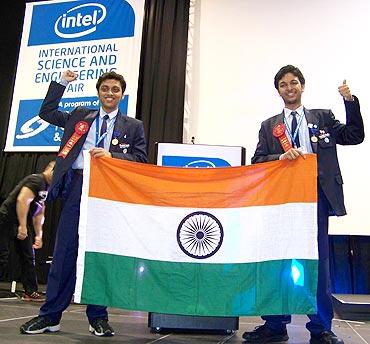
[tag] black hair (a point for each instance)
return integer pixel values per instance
(285, 70)
(109, 76)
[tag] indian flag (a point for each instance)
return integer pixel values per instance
(215, 242)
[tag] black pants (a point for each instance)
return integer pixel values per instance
(23, 248)
(62, 274)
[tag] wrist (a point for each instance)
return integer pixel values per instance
(63, 82)
(38, 234)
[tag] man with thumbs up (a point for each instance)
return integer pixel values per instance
(290, 135)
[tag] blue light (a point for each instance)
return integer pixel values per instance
(297, 273)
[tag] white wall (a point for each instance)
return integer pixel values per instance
(239, 45)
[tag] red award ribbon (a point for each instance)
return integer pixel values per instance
(279, 132)
(81, 128)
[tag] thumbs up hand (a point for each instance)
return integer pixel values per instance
(344, 91)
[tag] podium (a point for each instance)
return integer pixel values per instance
(196, 156)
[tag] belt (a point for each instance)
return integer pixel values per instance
(78, 171)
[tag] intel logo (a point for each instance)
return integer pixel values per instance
(200, 163)
(80, 20)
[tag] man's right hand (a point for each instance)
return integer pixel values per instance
(22, 232)
(345, 92)
(38, 242)
(292, 154)
(69, 76)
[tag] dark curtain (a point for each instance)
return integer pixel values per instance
(340, 264)
(162, 72)
(350, 264)
(360, 249)
(15, 166)
(160, 95)
(11, 20)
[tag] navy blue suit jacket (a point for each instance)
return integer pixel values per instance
(131, 136)
(329, 175)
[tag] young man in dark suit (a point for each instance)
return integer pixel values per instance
(104, 133)
(309, 131)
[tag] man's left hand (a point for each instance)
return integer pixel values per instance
(292, 154)
(99, 153)
(344, 91)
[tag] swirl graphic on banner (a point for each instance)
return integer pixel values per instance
(29, 129)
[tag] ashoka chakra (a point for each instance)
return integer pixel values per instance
(200, 235)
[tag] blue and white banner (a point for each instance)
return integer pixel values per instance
(90, 37)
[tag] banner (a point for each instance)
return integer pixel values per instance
(222, 242)
(88, 37)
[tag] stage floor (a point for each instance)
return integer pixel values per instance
(132, 327)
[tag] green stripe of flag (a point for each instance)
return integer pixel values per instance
(198, 288)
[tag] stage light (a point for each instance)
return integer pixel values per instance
(297, 272)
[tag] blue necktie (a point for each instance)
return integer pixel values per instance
(294, 127)
(103, 129)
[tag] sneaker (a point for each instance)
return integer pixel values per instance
(35, 296)
(262, 334)
(38, 325)
(101, 328)
(325, 337)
